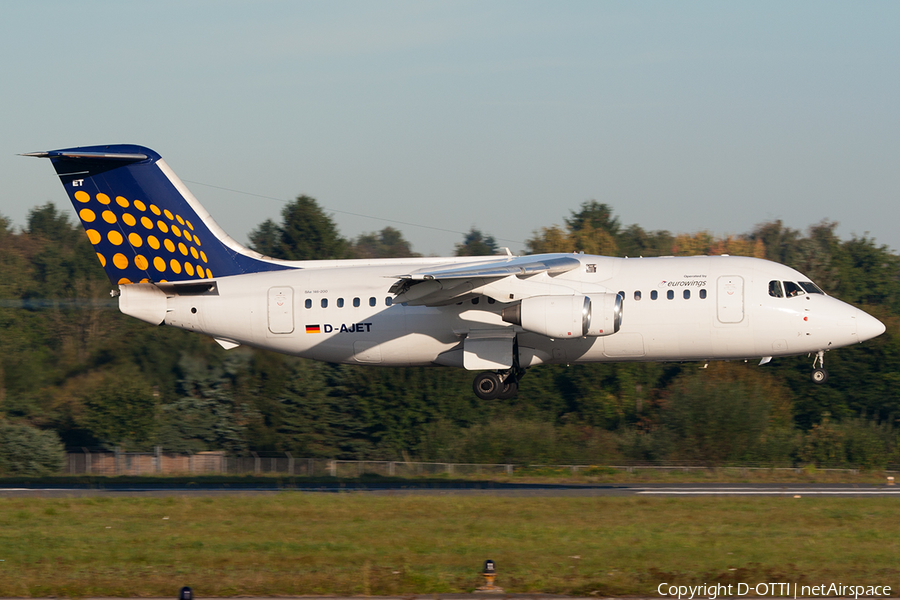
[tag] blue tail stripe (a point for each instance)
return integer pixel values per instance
(141, 226)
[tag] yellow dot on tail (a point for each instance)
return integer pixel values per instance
(115, 238)
(194, 252)
(182, 248)
(159, 264)
(103, 198)
(169, 245)
(155, 210)
(175, 265)
(135, 240)
(188, 223)
(197, 241)
(203, 256)
(154, 243)
(121, 201)
(209, 274)
(162, 227)
(87, 215)
(176, 230)
(141, 263)
(168, 214)
(140, 205)
(124, 281)
(94, 236)
(180, 220)
(199, 271)
(108, 216)
(187, 235)
(128, 219)
(189, 269)
(120, 261)
(82, 196)
(102, 259)
(147, 223)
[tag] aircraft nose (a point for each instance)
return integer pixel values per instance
(868, 327)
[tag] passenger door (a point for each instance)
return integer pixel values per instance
(281, 310)
(730, 299)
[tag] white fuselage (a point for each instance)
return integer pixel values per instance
(675, 309)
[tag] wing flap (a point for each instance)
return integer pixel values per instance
(436, 286)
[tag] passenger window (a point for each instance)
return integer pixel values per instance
(308, 303)
(491, 300)
(775, 289)
(372, 301)
(356, 303)
(811, 288)
(474, 300)
(324, 302)
(654, 295)
(340, 303)
(637, 295)
(687, 294)
(791, 289)
(703, 294)
(388, 301)
(670, 294)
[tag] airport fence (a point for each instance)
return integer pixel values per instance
(88, 462)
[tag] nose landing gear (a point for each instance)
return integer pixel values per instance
(819, 375)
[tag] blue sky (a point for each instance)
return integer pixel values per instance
(504, 115)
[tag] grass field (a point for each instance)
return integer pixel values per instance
(296, 543)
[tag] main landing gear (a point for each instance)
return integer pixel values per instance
(501, 385)
(819, 375)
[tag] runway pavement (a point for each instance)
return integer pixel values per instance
(481, 488)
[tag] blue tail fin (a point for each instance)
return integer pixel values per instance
(143, 222)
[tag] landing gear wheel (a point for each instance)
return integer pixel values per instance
(510, 389)
(487, 386)
(819, 376)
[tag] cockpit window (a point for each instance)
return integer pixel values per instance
(811, 288)
(791, 289)
(775, 289)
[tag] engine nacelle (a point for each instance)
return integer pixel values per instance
(606, 314)
(568, 316)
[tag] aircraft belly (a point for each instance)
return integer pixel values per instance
(624, 344)
(394, 336)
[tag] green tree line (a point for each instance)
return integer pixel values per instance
(74, 369)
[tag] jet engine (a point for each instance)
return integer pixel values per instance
(568, 316)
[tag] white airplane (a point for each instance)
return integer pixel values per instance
(499, 315)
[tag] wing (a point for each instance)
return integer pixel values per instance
(435, 286)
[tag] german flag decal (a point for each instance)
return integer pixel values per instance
(313, 329)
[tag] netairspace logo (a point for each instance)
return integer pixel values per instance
(778, 590)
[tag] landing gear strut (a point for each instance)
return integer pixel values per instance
(819, 375)
(504, 385)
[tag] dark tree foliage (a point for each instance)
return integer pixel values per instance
(305, 233)
(72, 366)
(25, 450)
(120, 411)
(475, 243)
(387, 243)
(594, 215)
